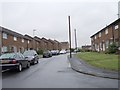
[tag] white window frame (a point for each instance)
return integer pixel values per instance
(5, 36)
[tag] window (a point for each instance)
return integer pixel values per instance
(100, 34)
(116, 27)
(107, 43)
(106, 31)
(28, 41)
(95, 37)
(4, 35)
(22, 40)
(15, 38)
(4, 49)
(91, 39)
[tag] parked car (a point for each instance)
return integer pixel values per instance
(63, 52)
(47, 54)
(16, 61)
(32, 56)
(55, 52)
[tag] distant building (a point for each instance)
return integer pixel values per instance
(87, 47)
(65, 45)
(108, 35)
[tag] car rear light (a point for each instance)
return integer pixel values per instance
(13, 61)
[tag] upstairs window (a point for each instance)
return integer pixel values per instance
(28, 41)
(106, 31)
(116, 27)
(15, 38)
(22, 40)
(5, 36)
(95, 37)
(100, 34)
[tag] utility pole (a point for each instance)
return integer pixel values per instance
(70, 36)
(75, 40)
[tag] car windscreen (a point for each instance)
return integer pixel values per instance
(29, 53)
(8, 55)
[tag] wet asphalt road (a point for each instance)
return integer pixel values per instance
(54, 72)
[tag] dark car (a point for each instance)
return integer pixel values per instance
(16, 61)
(32, 56)
(47, 54)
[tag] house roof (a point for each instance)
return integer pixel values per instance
(64, 42)
(44, 39)
(37, 39)
(28, 37)
(8, 31)
(113, 23)
(52, 41)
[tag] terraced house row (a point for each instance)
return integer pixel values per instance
(11, 41)
(106, 36)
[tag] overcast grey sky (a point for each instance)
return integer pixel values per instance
(50, 19)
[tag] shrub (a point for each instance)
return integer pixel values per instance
(112, 48)
(40, 52)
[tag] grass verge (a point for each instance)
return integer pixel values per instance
(105, 61)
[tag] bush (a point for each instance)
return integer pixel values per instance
(112, 48)
(40, 52)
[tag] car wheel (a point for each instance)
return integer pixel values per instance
(28, 65)
(33, 62)
(20, 68)
(37, 61)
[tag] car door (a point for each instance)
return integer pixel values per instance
(22, 58)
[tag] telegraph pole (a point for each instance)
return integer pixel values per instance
(75, 40)
(70, 36)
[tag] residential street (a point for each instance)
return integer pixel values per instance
(54, 72)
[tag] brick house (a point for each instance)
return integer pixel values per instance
(59, 47)
(39, 44)
(49, 45)
(65, 45)
(54, 44)
(29, 42)
(11, 41)
(103, 38)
